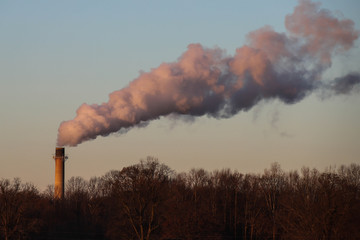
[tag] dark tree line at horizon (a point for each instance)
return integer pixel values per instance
(149, 200)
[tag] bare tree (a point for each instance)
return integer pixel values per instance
(140, 191)
(17, 203)
(252, 205)
(272, 184)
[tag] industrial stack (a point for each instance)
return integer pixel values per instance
(59, 172)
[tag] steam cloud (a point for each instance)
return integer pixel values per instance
(203, 81)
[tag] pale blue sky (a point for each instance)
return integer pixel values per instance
(56, 55)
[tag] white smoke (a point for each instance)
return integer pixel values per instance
(204, 81)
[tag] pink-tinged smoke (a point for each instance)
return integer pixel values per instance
(205, 81)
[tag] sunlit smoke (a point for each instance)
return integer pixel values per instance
(207, 81)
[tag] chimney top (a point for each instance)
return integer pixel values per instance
(60, 152)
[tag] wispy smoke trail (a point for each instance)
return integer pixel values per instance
(205, 81)
(346, 84)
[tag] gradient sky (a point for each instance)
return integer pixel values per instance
(56, 55)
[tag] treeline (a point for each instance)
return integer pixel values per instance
(150, 201)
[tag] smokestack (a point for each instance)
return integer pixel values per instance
(59, 172)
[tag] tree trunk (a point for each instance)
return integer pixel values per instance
(251, 231)
(235, 220)
(274, 230)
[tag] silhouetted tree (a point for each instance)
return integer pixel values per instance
(149, 201)
(18, 216)
(272, 184)
(140, 191)
(251, 206)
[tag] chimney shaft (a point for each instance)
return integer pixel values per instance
(59, 173)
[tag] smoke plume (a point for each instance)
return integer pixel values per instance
(206, 81)
(346, 84)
